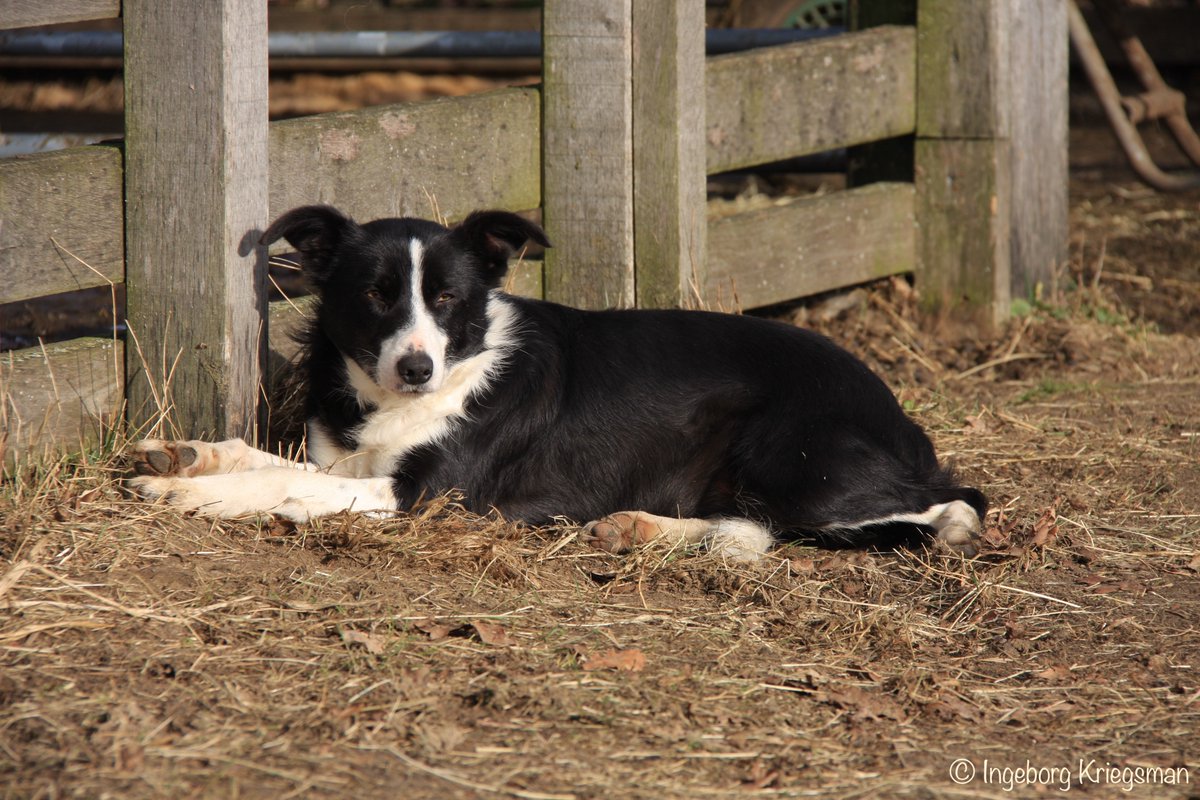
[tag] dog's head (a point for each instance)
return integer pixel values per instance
(405, 299)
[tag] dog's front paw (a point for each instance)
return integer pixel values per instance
(620, 532)
(149, 488)
(155, 457)
(185, 494)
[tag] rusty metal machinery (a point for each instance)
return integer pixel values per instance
(1158, 101)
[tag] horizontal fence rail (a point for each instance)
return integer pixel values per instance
(28, 13)
(815, 244)
(461, 153)
(773, 104)
(62, 222)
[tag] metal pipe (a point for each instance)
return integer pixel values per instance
(391, 44)
(1110, 98)
(1143, 66)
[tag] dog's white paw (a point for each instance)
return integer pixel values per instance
(620, 532)
(958, 529)
(157, 457)
(185, 494)
(959, 538)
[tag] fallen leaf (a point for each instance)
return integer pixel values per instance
(977, 423)
(491, 633)
(373, 644)
(995, 537)
(1194, 564)
(1015, 630)
(761, 776)
(279, 526)
(436, 630)
(862, 704)
(621, 660)
(1046, 528)
(441, 738)
(1056, 673)
(953, 708)
(806, 565)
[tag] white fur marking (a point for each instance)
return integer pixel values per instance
(740, 539)
(956, 511)
(290, 493)
(403, 421)
(322, 450)
(421, 335)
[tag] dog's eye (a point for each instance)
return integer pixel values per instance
(446, 297)
(374, 295)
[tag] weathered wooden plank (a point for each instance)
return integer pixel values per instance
(1038, 76)
(79, 191)
(587, 166)
(60, 222)
(768, 256)
(963, 58)
(964, 207)
(58, 398)
(771, 104)
(668, 151)
(196, 203)
(963, 155)
(451, 156)
(27, 13)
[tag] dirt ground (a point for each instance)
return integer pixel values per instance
(440, 655)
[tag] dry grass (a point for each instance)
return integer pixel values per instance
(144, 653)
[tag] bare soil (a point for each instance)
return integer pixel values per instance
(442, 655)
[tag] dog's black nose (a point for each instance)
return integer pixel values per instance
(415, 368)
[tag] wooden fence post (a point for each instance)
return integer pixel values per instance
(669, 151)
(991, 150)
(963, 156)
(196, 203)
(1038, 129)
(587, 151)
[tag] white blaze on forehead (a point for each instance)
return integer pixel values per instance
(416, 252)
(420, 335)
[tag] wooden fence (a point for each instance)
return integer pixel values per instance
(959, 106)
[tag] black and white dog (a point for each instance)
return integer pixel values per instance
(423, 377)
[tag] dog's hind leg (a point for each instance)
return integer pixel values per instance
(845, 486)
(734, 538)
(158, 457)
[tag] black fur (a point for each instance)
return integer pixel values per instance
(678, 413)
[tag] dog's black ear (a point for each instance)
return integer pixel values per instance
(496, 235)
(315, 232)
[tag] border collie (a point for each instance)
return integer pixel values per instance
(424, 377)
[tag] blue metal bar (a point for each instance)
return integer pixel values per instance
(377, 44)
